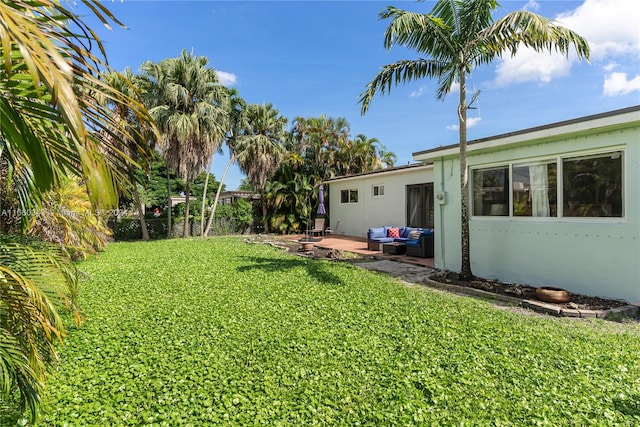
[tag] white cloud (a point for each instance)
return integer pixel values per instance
(471, 122)
(529, 65)
(610, 26)
(455, 87)
(531, 5)
(610, 67)
(417, 93)
(616, 84)
(226, 79)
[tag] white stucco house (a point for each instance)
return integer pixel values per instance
(555, 205)
(393, 196)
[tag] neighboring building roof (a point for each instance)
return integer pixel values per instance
(395, 169)
(239, 194)
(612, 119)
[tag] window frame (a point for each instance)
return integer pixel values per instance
(623, 183)
(378, 187)
(349, 192)
(537, 162)
(488, 167)
(559, 160)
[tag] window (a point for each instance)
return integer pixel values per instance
(377, 190)
(491, 191)
(535, 190)
(579, 186)
(592, 186)
(349, 196)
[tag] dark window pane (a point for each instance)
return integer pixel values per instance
(344, 196)
(491, 192)
(353, 196)
(593, 186)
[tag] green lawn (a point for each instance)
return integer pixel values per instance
(220, 332)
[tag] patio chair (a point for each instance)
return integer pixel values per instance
(318, 227)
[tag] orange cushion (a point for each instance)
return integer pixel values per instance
(393, 232)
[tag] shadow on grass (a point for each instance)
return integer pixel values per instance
(629, 406)
(321, 271)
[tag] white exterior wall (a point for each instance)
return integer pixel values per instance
(390, 209)
(592, 256)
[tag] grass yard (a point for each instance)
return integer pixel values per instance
(220, 332)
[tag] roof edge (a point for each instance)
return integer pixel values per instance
(579, 120)
(379, 171)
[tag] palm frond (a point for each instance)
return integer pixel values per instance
(48, 61)
(427, 34)
(34, 283)
(397, 73)
(525, 28)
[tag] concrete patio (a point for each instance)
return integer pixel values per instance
(359, 245)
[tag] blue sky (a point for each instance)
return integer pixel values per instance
(315, 57)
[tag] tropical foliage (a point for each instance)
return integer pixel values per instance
(36, 281)
(288, 201)
(68, 219)
(233, 218)
(455, 38)
(53, 126)
(237, 126)
(125, 82)
(190, 109)
(317, 148)
(260, 147)
(49, 108)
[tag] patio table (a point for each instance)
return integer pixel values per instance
(395, 248)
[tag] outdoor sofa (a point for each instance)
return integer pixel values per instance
(376, 236)
(419, 242)
(423, 247)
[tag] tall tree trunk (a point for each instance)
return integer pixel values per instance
(465, 273)
(186, 230)
(136, 196)
(232, 159)
(204, 197)
(170, 209)
(264, 212)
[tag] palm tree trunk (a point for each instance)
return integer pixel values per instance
(136, 196)
(186, 230)
(465, 273)
(170, 208)
(264, 212)
(204, 197)
(215, 201)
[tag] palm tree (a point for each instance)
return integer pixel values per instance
(370, 155)
(262, 148)
(238, 126)
(52, 127)
(190, 109)
(319, 140)
(125, 82)
(386, 159)
(455, 38)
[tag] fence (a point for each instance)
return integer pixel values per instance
(130, 229)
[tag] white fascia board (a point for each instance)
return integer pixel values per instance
(391, 171)
(551, 132)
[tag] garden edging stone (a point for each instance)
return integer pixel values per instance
(540, 306)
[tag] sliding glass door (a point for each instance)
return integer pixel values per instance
(420, 205)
